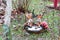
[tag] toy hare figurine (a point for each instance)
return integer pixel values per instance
(29, 21)
(39, 19)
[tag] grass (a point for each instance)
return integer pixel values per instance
(52, 21)
(1, 30)
(50, 16)
(0, 38)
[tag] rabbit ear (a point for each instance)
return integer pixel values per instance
(26, 14)
(29, 16)
(39, 16)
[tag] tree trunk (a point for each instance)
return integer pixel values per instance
(7, 34)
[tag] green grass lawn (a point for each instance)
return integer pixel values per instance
(0, 38)
(52, 22)
(50, 16)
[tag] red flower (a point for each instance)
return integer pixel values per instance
(44, 24)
